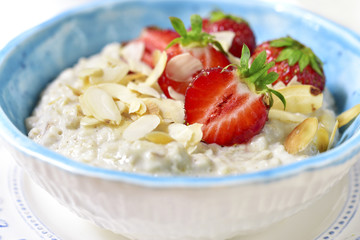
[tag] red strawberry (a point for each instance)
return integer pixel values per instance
(293, 59)
(243, 32)
(230, 103)
(188, 55)
(155, 39)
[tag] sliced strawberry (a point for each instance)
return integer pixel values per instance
(208, 57)
(293, 59)
(188, 54)
(229, 103)
(155, 39)
(243, 33)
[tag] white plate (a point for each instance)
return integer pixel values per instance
(27, 212)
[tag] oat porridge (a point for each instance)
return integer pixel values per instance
(126, 108)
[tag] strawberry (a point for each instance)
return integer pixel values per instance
(224, 22)
(230, 103)
(155, 39)
(293, 59)
(188, 54)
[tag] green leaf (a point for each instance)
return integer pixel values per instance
(270, 78)
(245, 57)
(314, 64)
(279, 95)
(303, 62)
(282, 42)
(217, 15)
(284, 54)
(196, 23)
(294, 57)
(178, 26)
(258, 62)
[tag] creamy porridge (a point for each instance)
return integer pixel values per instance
(108, 111)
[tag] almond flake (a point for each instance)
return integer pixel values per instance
(141, 127)
(171, 110)
(188, 135)
(284, 116)
(89, 121)
(143, 89)
(301, 136)
(100, 105)
(137, 106)
(225, 38)
(182, 67)
(175, 95)
(158, 70)
(159, 137)
(118, 91)
(299, 99)
(345, 117)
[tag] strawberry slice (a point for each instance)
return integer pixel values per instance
(230, 102)
(155, 38)
(293, 59)
(188, 54)
(225, 22)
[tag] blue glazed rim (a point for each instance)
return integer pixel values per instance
(339, 155)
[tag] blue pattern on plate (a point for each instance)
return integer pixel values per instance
(34, 58)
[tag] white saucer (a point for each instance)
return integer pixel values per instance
(27, 212)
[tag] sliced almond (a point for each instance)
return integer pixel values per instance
(116, 73)
(182, 67)
(133, 77)
(159, 137)
(225, 38)
(137, 106)
(171, 110)
(100, 105)
(141, 127)
(152, 107)
(133, 51)
(90, 72)
(299, 98)
(143, 89)
(333, 134)
(327, 119)
(118, 91)
(158, 69)
(89, 121)
(322, 139)
(175, 95)
(345, 117)
(301, 136)
(285, 116)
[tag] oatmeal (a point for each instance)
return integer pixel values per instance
(101, 113)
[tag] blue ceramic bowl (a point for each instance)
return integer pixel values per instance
(32, 60)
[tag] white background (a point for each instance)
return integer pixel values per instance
(19, 15)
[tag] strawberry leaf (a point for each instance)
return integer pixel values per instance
(218, 15)
(258, 63)
(196, 24)
(282, 42)
(256, 76)
(295, 52)
(178, 26)
(279, 95)
(304, 61)
(195, 37)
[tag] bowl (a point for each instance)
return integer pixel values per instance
(152, 207)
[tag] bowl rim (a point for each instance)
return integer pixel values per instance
(22, 143)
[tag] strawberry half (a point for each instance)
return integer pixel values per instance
(189, 54)
(224, 22)
(155, 38)
(293, 59)
(230, 103)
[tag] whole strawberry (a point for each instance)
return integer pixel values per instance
(192, 52)
(293, 59)
(232, 104)
(223, 22)
(155, 38)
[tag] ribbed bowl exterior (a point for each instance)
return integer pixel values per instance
(212, 213)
